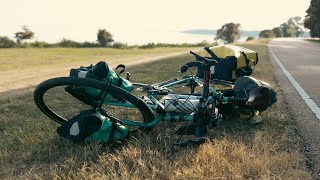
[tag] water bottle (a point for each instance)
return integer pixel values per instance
(180, 103)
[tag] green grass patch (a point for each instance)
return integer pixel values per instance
(33, 58)
(30, 147)
(313, 40)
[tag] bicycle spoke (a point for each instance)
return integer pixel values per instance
(63, 103)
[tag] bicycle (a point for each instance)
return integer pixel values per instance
(204, 109)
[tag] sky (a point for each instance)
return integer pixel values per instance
(140, 21)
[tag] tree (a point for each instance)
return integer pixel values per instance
(312, 21)
(296, 23)
(277, 31)
(104, 37)
(293, 27)
(229, 32)
(266, 34)
(288, 31)
(24, 35)
(5, 42)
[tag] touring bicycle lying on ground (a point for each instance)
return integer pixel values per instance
(108, 110)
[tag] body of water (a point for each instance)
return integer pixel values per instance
(190, 36)
(146, 37)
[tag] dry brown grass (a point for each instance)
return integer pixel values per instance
(30, 148)
(21, 68)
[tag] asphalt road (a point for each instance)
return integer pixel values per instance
(301, 88)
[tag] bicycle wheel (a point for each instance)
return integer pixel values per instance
(53, 100)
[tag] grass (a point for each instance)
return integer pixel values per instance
(21, 68)
(313, 40)
(30, 147)
(34, 58)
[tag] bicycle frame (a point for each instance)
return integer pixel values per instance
(169, 117)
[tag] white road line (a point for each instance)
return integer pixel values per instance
(311, 104)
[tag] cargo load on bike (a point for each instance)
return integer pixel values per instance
(95, 104)
(102, 72)
(233, 61)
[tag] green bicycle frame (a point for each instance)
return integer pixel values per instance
(155, 104)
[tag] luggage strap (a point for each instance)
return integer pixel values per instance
(246, 58)
(212, 54)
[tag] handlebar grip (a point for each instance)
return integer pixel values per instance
(190, 64)
(191, 52)
(184, 68)
(196, 55)
(207, 61)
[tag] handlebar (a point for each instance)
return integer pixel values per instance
(201, 61)
(196, 55)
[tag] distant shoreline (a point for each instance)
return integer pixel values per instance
(214, 32)
(243, 33)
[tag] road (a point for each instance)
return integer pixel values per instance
(299, 78)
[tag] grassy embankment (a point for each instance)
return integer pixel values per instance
(30, 148)
(20, 68)
(34, 58)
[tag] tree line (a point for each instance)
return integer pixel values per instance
(104, 39)
(292, 28)
(228, 33)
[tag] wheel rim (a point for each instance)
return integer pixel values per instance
(60, 105)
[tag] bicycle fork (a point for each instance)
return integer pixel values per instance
(201, 116)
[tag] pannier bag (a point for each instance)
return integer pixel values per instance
(242, 88)
(90, 126)
(233, 61)
(102, 72)
(244, 85)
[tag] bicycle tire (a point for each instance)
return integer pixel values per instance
(45, 86)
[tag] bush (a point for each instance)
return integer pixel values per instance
(278, 31)
(205, 44)
(266, 34)
(149, 45)
(39, 44)
(250, 38)
(68, 43)
(119, 45)
(5, 42)
(89, 45)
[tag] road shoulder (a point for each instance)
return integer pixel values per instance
(308, 126)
